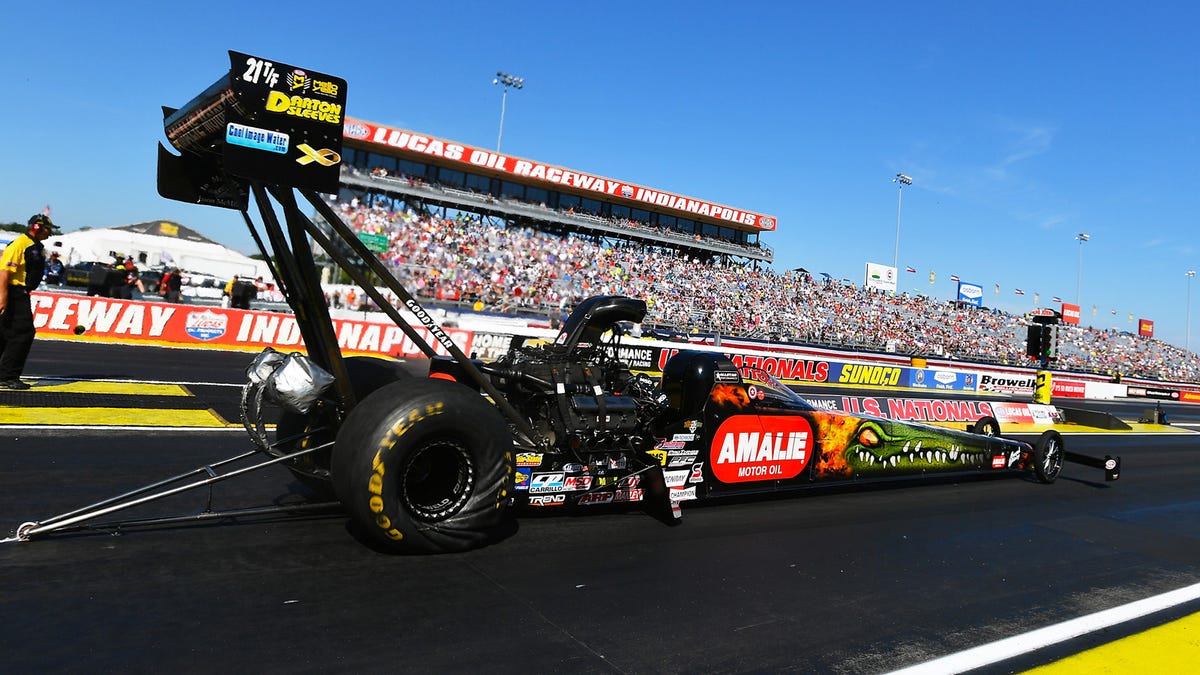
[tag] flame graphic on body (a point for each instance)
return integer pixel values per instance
(730, 394)
(835, 433)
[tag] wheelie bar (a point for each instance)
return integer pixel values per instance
(1110, 464)
(74, 519)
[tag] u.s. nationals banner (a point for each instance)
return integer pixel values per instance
(467, 156)
(191, 326)
(934, 410)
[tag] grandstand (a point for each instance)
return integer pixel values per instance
(405, 169)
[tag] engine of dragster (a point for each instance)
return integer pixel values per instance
(576, 394)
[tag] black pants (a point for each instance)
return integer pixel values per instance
(16, 333)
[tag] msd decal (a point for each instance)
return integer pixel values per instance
(751, 448)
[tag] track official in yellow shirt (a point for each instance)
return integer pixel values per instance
(21, 269)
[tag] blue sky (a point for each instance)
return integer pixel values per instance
(1021, 123)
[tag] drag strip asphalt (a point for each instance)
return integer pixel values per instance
(839, 580)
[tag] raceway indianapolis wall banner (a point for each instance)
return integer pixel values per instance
(163, 323)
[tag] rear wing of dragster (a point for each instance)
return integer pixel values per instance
(266, 128)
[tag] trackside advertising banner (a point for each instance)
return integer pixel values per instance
(1007, 383)
(879, 276)
(1070, 313)
(931, 410)
(469, 157)
(187, 325)
(59, 315)
(970, 294)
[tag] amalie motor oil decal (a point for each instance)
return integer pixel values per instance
(752, 448)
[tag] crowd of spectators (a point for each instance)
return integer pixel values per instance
(492, 267)
(634, 227)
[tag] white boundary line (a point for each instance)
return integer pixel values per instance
(1000, 650)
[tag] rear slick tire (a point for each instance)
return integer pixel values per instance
(425, 466)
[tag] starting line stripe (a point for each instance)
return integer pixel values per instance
(111, 387)
(1018, 645)
(110, 417)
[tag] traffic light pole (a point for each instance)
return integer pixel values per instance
(1042, 345)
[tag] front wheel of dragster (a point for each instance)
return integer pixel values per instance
(987, 426)
(425, 466)
(367, 374)
(1048, 453)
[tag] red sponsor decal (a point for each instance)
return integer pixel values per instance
(999, 462)
(629, 495)
(1189, 396)
(753, 448)
(577, 483)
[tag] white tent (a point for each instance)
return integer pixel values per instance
(159, 243)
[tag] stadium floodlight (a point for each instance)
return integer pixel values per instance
(900, 180)
(505, 80)
(1187, 344)
(1081, 237)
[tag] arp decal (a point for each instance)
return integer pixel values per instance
(593, 498)
(751, 448)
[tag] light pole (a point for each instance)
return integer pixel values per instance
(506, 81)
(900, 180)
(1187, 344)
(1081, 237)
